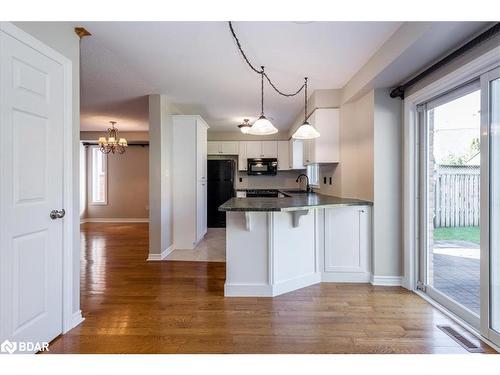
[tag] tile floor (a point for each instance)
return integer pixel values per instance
(211, 249)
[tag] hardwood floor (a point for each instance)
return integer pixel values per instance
(134, 306)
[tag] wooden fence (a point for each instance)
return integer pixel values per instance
(456, 196)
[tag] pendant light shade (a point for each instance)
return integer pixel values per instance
(262, 127)
(306, 130)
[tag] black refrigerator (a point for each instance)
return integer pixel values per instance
(220, 188)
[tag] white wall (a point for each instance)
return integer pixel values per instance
(387, 185)
(355, 170)
(160, 178)
(61, 37)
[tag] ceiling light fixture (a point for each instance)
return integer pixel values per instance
(306, 130)
(262, 126)
(245, 126)
(113, 144)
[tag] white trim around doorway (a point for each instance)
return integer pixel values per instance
(464, 74)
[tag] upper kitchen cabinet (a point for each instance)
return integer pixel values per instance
(254, 150)
(189, 167)
(324, 149)
(296, 153)
(222, 147)
(283, 156)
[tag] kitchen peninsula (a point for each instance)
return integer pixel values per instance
(280, 244)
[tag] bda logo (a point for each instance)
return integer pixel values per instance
(8, 347)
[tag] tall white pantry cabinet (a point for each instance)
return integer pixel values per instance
(189, 168)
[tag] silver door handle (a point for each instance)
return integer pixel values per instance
(56, 214)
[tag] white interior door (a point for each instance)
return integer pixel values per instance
(31, 186)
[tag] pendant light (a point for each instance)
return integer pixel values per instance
(306, 130)
(262, 126)
(245, 127)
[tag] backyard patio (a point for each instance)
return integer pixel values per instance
(456, 262)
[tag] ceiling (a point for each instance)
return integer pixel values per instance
(198, 67)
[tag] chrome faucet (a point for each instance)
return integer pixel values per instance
(308, 187)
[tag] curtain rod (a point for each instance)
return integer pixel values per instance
(131, 143)
(399, 92)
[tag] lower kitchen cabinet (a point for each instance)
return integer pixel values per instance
(347, 244)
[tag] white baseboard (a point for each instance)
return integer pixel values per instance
(346, 277)
(248, 290)
(387, 280)
(163, 255)
(266, 290)
(76, 319)
(115, 220)
(296, 283)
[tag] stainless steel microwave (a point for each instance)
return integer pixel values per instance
(265, 166)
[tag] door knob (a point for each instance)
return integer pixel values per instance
(56, 214)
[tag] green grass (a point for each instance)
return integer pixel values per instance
(470, 234)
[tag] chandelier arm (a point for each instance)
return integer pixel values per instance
(261, 72)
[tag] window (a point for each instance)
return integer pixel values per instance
(313, 174)
(99, 178)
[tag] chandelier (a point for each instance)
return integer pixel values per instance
(113, 144)
(245, 126)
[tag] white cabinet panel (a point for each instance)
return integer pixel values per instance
(201, 152)
(283, 156)
(228, 148)
(201, 218)
(242, 156)
(296, 153)
(212, 148)
(222, 148)
(254, 149)
(347, 239)
(269, 149)
(189, 184)
(324, 149)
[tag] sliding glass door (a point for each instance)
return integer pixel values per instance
(490, 239)
(459, 202)
(450, 175)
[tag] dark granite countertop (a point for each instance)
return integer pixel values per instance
(293, 202)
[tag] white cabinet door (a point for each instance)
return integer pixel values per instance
(228, 148)
(307, 147)
(283, 156)
(269, 149)
(201, 150)
(324, 149)
(296, 153)
(254, 149)
(201, 210)
(213, 148)
(347, 239)
(242, 156)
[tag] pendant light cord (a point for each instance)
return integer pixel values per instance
(261, 72)
(262, 91)
(305, 99)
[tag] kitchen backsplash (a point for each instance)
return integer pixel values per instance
(281, 180)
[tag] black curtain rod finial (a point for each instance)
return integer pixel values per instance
(398, 92)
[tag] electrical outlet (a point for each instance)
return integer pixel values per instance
(241, 179)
